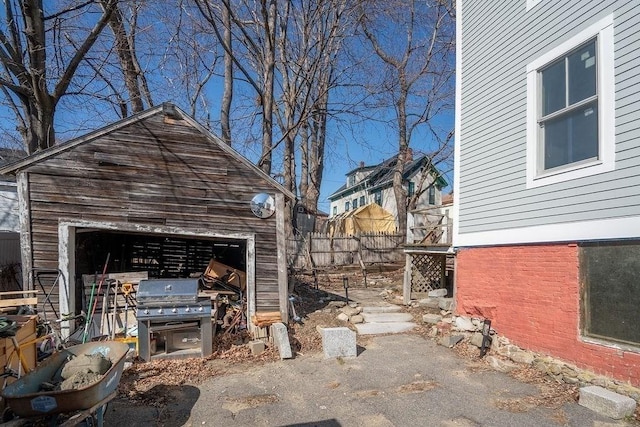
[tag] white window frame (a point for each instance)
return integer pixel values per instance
(603, 30)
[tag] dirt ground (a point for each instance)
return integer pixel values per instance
(153, 383)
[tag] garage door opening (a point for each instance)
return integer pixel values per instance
(153, 253)
(161, 256)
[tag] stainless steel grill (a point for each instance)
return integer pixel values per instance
(170, 308)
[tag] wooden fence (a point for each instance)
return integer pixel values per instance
(320, 250)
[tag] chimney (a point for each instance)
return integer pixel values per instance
(361, 164)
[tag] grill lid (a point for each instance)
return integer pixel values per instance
(164, 292)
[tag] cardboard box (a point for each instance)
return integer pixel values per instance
(229, 275)
(26, 337)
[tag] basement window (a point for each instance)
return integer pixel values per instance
(611, 291)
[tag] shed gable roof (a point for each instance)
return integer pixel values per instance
(167, 109)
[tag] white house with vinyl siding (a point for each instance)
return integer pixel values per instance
(374, 184)
(548, 119)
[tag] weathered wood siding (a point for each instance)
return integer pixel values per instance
(499, 39)
(153, 172)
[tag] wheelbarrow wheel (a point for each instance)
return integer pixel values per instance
(7, 415)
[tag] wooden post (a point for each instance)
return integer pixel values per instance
(25, 229)
(283, 285)
(406, 285)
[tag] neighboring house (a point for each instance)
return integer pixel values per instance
(374, 184)
(155, 192)
(550, 123)
(9, 224)
(9, 218)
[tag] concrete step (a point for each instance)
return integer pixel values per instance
(386, 317)
(384, 328)
(382, 309)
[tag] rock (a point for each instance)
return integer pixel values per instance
(431, 318)
(445, 304)
(476, 339)
(570, 380)
(338, 342)
(606, 402)
(451, 340)
(433, 332)
(337, 304)
(444, 327)
(569, 371)
(586, 377)
(508, 350)
(281, 340)
(356, 319)
(500, 365)
(429, 303)
(464, 324)
(555, 369)
(438, 293)
(343, 317)
(350, 311)
(257, 347)
(522, 357)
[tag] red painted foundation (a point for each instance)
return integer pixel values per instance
(532, 296)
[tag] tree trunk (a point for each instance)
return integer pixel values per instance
(125, 55)
(269, 15)
(403, 144)
(227, 95)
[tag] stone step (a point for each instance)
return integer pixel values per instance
(382, 309)
(386, 317)
(607, 402)
(384, 328)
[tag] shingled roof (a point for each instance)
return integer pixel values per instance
(382, 174)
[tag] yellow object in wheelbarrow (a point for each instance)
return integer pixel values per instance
(26, 399)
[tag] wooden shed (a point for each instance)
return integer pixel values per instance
(158, 193)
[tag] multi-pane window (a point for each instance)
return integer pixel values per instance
(352, 181)
(362, 201)
(571, 109)
(432, 195)
(354, 203)
(377, 197)
(568, 118)
(335, 210)
(347, 206)
(411, 188)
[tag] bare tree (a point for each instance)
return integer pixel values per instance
(418, 67)
(253, 53)
(134, 79)
(37, 70)
(321, 27)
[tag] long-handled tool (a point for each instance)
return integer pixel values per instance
(92, 302)
(127, 288)
(115, 310)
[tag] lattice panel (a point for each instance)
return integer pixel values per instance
(427, 271)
